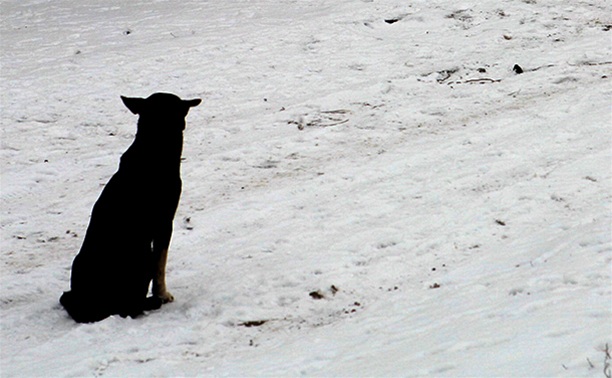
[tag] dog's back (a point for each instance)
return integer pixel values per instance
(133, 216)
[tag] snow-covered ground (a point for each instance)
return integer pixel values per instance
(369, 189)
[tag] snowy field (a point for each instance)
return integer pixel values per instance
(369, 188)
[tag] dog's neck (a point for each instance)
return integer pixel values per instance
(151, 151)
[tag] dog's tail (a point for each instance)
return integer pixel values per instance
(82, 309)
(88, 309)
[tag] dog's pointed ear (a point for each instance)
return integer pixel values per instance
(135, 104)
(192, 103)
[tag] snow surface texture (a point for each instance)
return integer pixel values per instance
(369, 188)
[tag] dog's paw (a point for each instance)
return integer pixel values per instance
(165, 297)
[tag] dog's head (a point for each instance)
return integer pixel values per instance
(163, 109)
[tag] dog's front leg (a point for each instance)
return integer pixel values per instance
(160, 256)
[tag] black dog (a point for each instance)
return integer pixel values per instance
(126, 244)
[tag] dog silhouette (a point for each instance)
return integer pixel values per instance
(126, 243)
